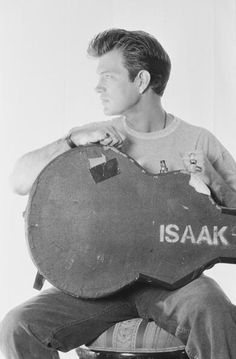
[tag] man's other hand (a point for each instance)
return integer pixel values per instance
(87, 135)
(197, 163)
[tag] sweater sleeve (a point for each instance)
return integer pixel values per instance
(219, 156)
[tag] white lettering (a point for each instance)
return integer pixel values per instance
(162, 231)
(170, 231)
(219, 235)
(188, 234)
(204, 236)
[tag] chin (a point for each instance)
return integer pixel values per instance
(111, 112)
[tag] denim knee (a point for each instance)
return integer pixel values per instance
(11, 325)
(200, 299)
(16, 339)
(208, 297)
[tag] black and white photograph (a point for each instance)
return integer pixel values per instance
(118, 180)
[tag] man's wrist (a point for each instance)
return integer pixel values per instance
(69, 141)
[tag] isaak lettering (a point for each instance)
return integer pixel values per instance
(171, 233)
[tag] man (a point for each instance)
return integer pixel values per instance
(133, 71)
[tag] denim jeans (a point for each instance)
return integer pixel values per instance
(199, 314)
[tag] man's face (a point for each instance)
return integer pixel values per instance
(118, 93)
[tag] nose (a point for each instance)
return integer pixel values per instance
(99, 87)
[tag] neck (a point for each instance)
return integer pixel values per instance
(147, 115)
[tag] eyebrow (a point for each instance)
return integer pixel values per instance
(104, 72)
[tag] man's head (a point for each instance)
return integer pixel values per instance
(140, 50)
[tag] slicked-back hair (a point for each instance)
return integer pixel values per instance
(140, 50)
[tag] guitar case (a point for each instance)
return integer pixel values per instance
(93, 230)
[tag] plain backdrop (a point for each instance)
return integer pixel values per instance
(47, 86)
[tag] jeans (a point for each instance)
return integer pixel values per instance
(199, 314)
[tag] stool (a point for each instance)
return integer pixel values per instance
(137, 339)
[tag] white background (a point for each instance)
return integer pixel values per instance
(47, 86)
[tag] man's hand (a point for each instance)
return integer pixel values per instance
(197, 163)
(107, 136)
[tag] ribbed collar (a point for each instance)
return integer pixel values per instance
(154, 134)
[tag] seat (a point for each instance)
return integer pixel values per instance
(135, 338)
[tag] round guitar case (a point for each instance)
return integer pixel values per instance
(95, 229)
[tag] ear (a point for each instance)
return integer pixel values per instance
(143, 79)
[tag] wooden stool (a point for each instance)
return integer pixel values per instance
(136, 339)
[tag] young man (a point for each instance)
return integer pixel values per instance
(133, 71)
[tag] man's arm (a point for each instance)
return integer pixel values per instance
(28, 167)
(222, 191)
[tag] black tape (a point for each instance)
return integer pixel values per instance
(105, 170)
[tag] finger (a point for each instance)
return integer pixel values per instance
(192, 168)
(107, 141)
(112, 139)
(116, 137)
(198, 168)
(99, 137)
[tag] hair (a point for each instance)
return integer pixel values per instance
(140, 50)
